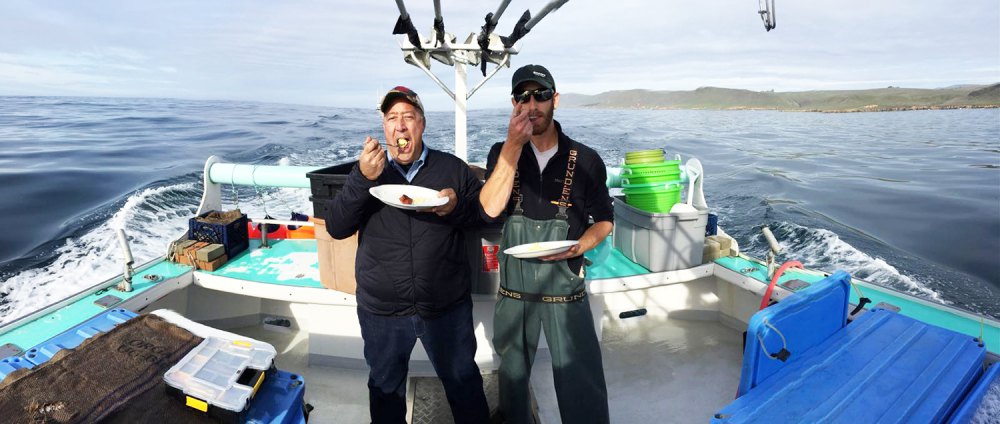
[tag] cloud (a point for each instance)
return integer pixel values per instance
(343, 53)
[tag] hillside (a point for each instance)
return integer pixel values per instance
(881, 99)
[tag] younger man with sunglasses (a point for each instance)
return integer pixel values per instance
(546, 192)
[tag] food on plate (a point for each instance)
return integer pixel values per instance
(406, 200)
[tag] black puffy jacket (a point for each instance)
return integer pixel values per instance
(409, 262)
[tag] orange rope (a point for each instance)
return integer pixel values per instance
(774, 280)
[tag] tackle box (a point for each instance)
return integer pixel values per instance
(220, 377)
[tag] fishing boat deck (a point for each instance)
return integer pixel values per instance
(294, 264)
(657, 370)
(288, 262)
(679, 363)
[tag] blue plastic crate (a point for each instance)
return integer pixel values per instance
(234, 236)
(798, 323)
(11, 364)
(279, 401)
(883, 367)
(69, 339)
(973, 401)
(75, 336)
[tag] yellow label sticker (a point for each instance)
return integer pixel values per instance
(197, 404)
(241, 343)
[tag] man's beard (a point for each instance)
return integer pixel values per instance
(543, 124)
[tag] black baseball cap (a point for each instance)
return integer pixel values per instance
(534, 73)
(400, 92)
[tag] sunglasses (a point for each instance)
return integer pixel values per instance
(539, 95)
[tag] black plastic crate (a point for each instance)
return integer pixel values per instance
(321, 207)
(234, 236)
(327, 182)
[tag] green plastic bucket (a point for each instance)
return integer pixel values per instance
(629, 180)
(657, 198)
(658, 168)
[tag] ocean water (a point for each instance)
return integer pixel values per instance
(908, 200)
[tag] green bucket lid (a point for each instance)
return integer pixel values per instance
(643, 160)
(645, 153)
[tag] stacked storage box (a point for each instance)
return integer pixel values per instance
(336, 257)
(659, 241)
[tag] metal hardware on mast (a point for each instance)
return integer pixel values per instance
(128, 272)
(774, 249)
(487, 47)
(767, 14)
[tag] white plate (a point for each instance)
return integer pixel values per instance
(545, 248)
(423, 197)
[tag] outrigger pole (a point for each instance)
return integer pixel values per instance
(767, 14)
(486, 47)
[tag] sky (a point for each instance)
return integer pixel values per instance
(342, 53)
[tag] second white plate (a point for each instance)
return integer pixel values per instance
(545, 248)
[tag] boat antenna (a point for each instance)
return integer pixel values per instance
(767, 14)
(477, 50)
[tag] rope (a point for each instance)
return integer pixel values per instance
(774, 280)
(232, 183)
(862, 300)
(282, 201)
(784, 343)
(855, 287)
(253, 181)
(982, 342)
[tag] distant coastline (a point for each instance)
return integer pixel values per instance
(830, 101)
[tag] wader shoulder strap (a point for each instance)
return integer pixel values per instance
(563, 203)
(517, 193)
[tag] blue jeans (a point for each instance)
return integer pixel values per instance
(451, 346)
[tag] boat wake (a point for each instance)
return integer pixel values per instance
(148, 216)
(989, 409)
(823, 249)
(151, 218)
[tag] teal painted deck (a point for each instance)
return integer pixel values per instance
(55, 323)
(608, 262)
(759, 272)
(939, 315)
(292, 262)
